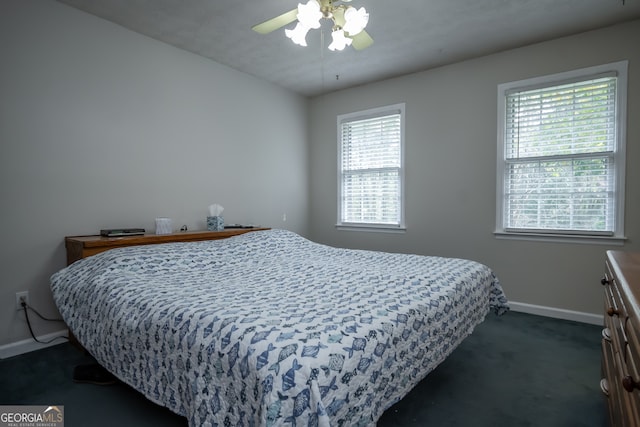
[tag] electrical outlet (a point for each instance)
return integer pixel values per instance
(21, 296)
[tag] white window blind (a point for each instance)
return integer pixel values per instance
(370, 168)
(561, 157)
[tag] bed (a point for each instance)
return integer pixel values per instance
(269, 328)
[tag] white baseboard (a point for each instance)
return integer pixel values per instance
(28, 345)
(557, 313)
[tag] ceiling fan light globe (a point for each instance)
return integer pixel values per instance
(309, 14)
(298, 35)
(340, 41)
(356, 20)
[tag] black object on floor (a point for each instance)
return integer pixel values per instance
(93, 374)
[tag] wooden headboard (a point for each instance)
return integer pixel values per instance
(79, 247)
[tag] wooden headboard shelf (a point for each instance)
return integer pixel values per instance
(79, 247)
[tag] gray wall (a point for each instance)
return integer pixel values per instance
(102, 128)
(451, 120)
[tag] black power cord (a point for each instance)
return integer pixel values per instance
(26, 309)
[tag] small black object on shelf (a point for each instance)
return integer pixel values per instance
(119, 232)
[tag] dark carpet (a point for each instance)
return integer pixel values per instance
(514, 370)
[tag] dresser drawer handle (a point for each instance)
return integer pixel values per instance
(604, 281)
(629, 384)
(613, 311)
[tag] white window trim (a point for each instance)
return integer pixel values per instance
(373, 112)
(618, 237)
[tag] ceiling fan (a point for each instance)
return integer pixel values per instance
(348, 23)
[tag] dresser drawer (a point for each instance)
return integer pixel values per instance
(629, 380)
(622, 404)
(615, 316)
(608, 383)
(631, 370)
(611, 284)
(632, 351)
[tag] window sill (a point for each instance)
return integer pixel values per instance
(561, 238)
(372, 228)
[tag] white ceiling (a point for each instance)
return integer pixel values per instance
(409, 35)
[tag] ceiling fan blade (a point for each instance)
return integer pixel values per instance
(277, 22)
(362, 40)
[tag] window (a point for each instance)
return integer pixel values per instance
(371, 168)
(561, 154)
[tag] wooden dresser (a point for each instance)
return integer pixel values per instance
(79, 247)
(621, 338)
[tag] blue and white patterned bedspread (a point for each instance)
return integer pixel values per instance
(269, 328)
